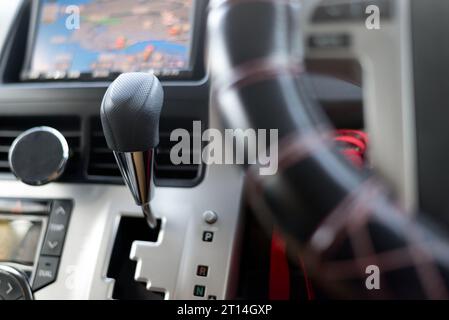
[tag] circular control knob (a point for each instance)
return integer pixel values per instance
(14, 285)
(210, 217)
(39, 156)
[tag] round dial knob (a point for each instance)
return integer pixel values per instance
(39, 156)
(14, 285)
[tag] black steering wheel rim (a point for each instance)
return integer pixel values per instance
(340, 219)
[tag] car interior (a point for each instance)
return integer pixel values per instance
(224, 149)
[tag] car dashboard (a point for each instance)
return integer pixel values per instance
(86, 238)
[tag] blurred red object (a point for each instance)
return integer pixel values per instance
(353, 144)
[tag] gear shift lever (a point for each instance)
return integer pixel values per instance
(130, 114)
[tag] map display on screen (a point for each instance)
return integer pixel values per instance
(112, 36)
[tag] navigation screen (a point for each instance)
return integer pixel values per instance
(100, 37)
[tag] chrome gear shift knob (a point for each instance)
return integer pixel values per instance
(130, 114)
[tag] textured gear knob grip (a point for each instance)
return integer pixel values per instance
(130, 112)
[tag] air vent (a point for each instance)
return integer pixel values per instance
(70, 127)
(165, 172)
(102, 164)
(101, 160)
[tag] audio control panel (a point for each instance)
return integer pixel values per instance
(52, 246)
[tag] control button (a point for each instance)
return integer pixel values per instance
(210, 217)
(14, 284)
(199, 291)
(53, 244)
(46, 272)
(57, 228)
(60, 212)
(54, 239)
(350, 11)
(332, 13)
(202, 271)
(10, 289)
(211, 297)
(208, 236)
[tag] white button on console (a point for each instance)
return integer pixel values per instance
(210, 217)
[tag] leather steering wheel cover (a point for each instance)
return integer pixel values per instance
(337, 216)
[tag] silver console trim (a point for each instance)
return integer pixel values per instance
(93, 225)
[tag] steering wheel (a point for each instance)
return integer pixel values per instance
(342, 221)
